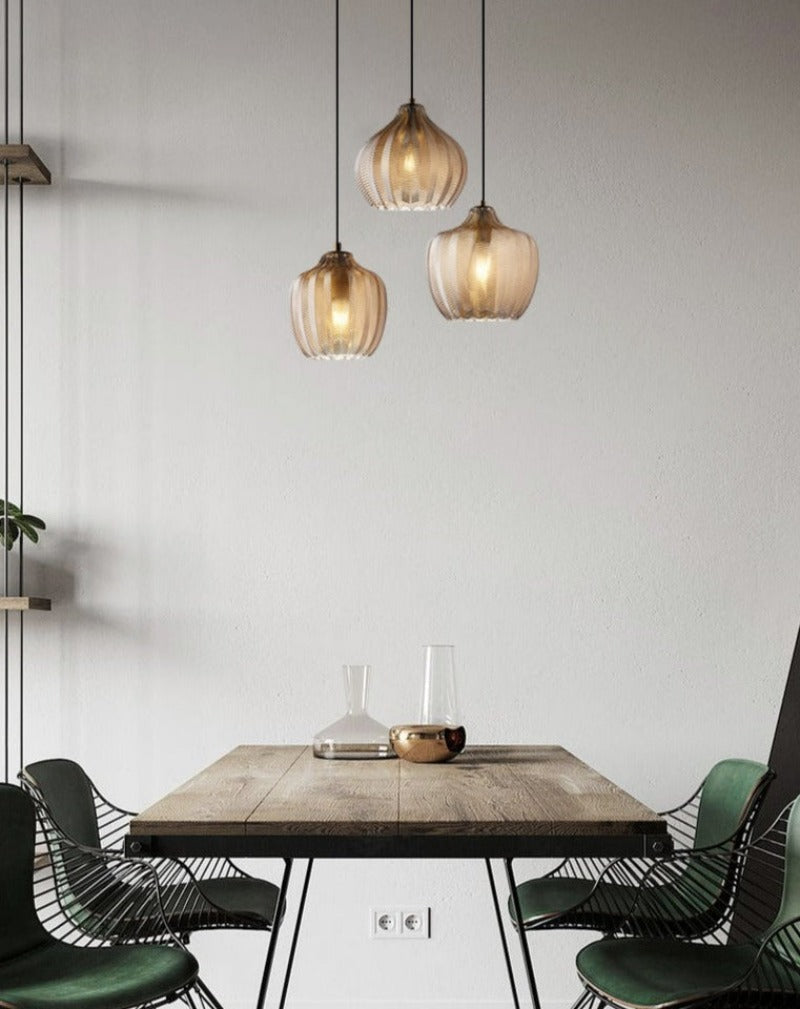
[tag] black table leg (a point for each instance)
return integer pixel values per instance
(502, 930)
(296, 934)
(273, 936)
(523, 942)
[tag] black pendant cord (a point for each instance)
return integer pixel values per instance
(338, 243)
(411, 55)
(483, 103)
(21, 50)
(5, 71)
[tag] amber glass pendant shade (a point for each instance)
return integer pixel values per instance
(338, 309)
(482, 269)
(411, 164)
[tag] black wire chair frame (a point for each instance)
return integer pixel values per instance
(185, 905)
(772, 979)
(607, 907)
(117, 890)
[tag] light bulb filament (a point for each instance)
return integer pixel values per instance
(340, 316)
(480, 267)
(410, 161)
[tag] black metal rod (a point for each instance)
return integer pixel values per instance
(295, 935)
(276, 924)
(338, 243)
(21, 560)
(6, 390)
(502, 931)
(21, 568)
(208, 994)
(411, 55)
(523, 942)
(584, 1000)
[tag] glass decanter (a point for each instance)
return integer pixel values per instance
(439, 704)
(356, 736)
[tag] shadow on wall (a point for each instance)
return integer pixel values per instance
(56, 578)
(102, 189)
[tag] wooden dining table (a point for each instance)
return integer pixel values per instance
(492, 802)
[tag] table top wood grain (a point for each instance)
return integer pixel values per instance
(491, 801)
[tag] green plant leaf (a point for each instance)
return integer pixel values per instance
(13, 533)
(13, 523)
(31, 520)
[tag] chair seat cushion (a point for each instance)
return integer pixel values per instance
(551, 897)
(653, 973)
(58, 976)
(238, 901)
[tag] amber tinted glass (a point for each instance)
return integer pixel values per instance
(411, 164)
(482, 269)
(338, 309)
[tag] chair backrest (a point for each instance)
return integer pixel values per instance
(20, 928)
(783, 761)
(65, 789)
(729, 798)
(790, 895)
(730, 793)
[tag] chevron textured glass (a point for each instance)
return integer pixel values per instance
(338, 309)
(482, 269)
(411, 164)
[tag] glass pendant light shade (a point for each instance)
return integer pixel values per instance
(411, 164)
(338, 309)
(482, 269)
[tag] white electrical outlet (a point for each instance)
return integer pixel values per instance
(400, 922)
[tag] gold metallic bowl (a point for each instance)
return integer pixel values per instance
(427, 744)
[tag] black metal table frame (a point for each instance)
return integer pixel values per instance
(312, 846)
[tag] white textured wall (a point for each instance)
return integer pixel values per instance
(597, 505)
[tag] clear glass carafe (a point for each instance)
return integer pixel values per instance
(439, 703)
(356, 736)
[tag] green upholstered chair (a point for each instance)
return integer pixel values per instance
(600, 894)
(47, 961)
(196, 894)
(759, 967)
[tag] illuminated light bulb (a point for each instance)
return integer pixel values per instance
(338, 309)
(340, 316)
(482, 269)
(480, 265)
(410, 161)
(411, 164)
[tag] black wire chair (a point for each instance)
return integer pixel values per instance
(58, 953)
(757, 968)
(597, 894)
(600, 894)
(194, 894)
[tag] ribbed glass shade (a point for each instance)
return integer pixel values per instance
(411, 164)
(482, 269)
(338, 309)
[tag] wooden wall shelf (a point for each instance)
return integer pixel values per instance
(24, 603)
(23, 165)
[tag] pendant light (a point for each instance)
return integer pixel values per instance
(411, 164)
(338, 307)
(482, 269)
